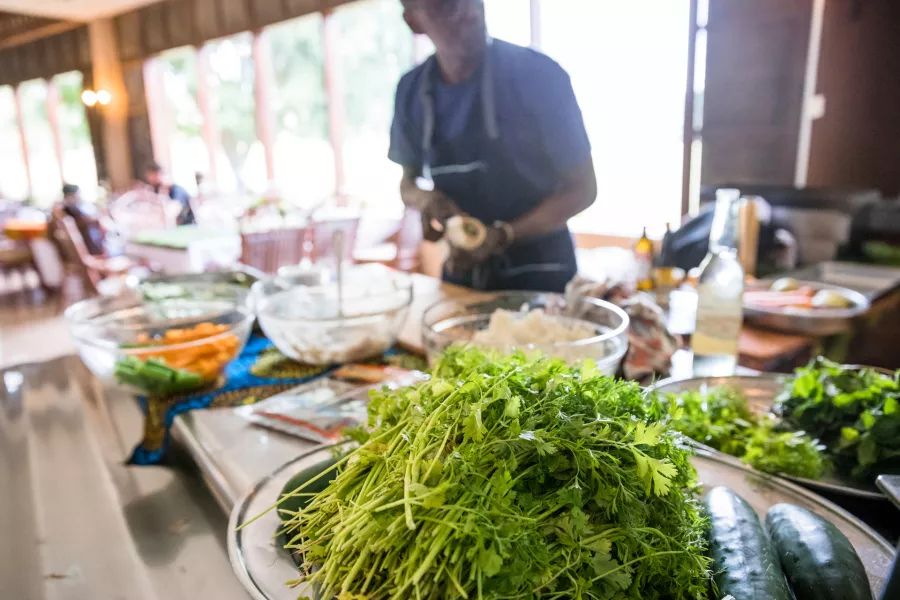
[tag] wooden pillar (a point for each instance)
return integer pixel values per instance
(107, 75)
(53, 120)
(335, 98)
(158, 113)
(206, 103)
(23, 138)
(95, 127)
(536, 37)
(262, 91)
(689, 125)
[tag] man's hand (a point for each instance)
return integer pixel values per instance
(436, 208)
(496, 241)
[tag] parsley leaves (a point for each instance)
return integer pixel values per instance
(509, 477)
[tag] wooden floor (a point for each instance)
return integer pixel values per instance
(32, 327)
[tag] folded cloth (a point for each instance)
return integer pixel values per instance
(650, 345)
(259, 372)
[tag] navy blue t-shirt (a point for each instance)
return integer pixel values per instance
(540, 124)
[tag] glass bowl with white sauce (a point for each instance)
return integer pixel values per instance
(325, 324)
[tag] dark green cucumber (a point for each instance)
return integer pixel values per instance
(296, 503)
(746, 565)
(819, 561)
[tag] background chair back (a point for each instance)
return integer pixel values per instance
(322, 248)
(214, 211)
(74, 251)
(409, 242)
(142, 210)
(270, 250)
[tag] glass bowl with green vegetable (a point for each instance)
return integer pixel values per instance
(160, 348)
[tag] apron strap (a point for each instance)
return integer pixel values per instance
(429, 118)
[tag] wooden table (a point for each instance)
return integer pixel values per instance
(21, 230)
(426, 292)
(871, 341)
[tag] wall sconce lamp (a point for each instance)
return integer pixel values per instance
(92, 98)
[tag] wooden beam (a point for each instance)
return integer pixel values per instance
(23, 138)
(334, 95)
(32, 35)
(53, 120)
(262, 91)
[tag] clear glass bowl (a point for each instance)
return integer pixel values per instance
(458, 321)
(310, 324)
(188, 342)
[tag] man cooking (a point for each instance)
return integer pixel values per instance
(491, 130)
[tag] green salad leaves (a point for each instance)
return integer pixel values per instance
(720, 418)
(509, 477)
(855, 412)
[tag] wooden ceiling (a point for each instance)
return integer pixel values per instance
(17, 29)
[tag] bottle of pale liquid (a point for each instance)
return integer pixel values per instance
(720, 290)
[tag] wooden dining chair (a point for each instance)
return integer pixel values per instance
(15, 259)
(78, 261)
(270, 250)
(142, 209)
(402, 250)
(321, 247)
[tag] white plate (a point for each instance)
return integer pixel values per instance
(265, 569)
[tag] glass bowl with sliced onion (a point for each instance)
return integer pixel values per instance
(572, 329)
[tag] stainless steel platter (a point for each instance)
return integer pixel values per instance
(265, 570)
(809, 321)
(760, 391)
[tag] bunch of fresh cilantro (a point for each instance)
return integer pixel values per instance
(720, 418)
(509, 477)
(855, 412)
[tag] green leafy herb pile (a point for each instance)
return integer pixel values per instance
(720, 418)
(855, 412)
(509, 477)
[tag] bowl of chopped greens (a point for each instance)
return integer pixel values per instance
(161, 348)
(832, 427)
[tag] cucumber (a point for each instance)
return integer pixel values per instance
(746, 565)
(819, 561)
(301, 500)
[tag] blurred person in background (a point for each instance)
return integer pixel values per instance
(492, 130)
(153, 176)
(85, 217)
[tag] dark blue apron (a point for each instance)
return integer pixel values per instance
(476, 170)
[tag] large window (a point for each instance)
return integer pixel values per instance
(628, 62)
(376, 48)
(304, 158)
(13, 176)
(78, 163)
(510, 20)
(182, 120)
(241, 165)
(46, 180)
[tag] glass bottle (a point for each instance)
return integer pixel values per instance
(720, 290)
(643, 254)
